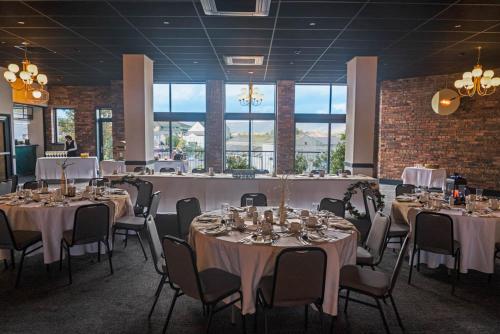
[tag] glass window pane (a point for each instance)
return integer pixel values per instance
(105, 113)
(312, 99)
(161, 98)
(311, 146)
(161, 140)
(189, 138)
(107, 140)
(65, 124)
(268, 94)
(263, 145)
(189, 98)
(237, 144)
(21, 132)
(233, 93)
(337, 147)
(339, 99)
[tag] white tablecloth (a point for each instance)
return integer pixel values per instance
(424, 177)
(182, 164)
(53, 221)
(252, 262)
(109, 166)
(477, 237)
(222, 188)
(81, 168)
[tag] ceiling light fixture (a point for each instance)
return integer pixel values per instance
(20, 22)
(477, 81)
(312, 24)
(251, 95)
(297, 52)
(458, 26)
(166, 22)
(28, 79)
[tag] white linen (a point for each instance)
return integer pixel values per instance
(53, 221)
(252, 262)
(477, 237)
(424, 177)
(81, 168)
(182, 164)
(211, 191)
(109, 166)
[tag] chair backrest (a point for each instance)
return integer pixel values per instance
(181, 266)
(376, 240)
(33, 185)
(261, 171)
(14, 182)
(144, 191)
(405, 189)
(299, 276)
(336, 206)
(5, 187)
(155, 245)
(434, 232)
(491, 193)
(187, 209)
(198, 170)
(154, 203)
(91, 224)
(316, 171)
(259, 199)
(100, 181)
(6, 237)
(399, 262)
(370, 205)
(347, 172)
(167, 170)
(138, 169)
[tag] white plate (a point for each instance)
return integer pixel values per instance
(261, 242)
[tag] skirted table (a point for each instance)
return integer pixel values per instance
(424, 177)
(80, 168)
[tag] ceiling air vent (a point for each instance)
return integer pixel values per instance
(236, 7)
(244, 60)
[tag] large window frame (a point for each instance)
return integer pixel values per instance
(170, 116)
(250, 117)
(55, 123)
(330, 118)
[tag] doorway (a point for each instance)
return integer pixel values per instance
(104, 118)
(5, 148)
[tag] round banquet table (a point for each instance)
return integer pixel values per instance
(476, 233)
(52, 221)
(251, 262)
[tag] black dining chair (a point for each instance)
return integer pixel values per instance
(259, 199)
(434, 233)
(298, 280)
(144, 192)
(139, 169)
(19, 240)
(33, 185)
(209, 286)
(198, 170)
(91, 225)
(370, 204)
(136, 224)
(372, 251)
(335, 206)
(187, 209)
(99, 181)
(8, 186)
(167, 170)
(402, 189)
(371, 283)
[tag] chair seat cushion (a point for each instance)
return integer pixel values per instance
(398, 230)
(374, 283)
(363, 257)
(26, 238)
(130, 223)
(497, 245)
(217, 284)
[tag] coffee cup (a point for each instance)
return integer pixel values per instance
(295, 227)
(304, 213)
(312, 222)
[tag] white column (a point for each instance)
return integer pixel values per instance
(138, 110)
(360, 121)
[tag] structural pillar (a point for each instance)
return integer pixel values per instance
(214, 125)
(138, 110)
(360, 119)
(285, 126)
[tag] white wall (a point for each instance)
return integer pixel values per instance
(6, 107)
(36, 132)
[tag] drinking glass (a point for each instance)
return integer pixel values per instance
(249, 201)
(479, 193)
(314, 208)
(224, 208)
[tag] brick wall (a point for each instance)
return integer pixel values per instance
(214, 125)
(285, 127)
(410, 132)
(85, 100)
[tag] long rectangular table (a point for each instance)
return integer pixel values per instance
(424, 177)
(211, 191)
(81, 168)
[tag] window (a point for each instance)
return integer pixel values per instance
(249, 129)
(104, 117)
(320, 127)
(179, 115)
(64, 124)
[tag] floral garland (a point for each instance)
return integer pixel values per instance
(361, 185)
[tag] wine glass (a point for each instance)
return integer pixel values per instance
(479, 193)
(249, 201)
(314, 208)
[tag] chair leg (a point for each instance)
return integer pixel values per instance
(160, 285)
(256, 322)
(109, 257)
(98, 251)
(18, 278)
(210, 317)
(142, 245)
(69, 264)
(243, 317)
(306, 316)
(12, 259)
(170, 311)
(5, 264)
(60, 255)
(411, 264)
(332, 324)
(397, 313)
(418, 260)
(321, 313)
(126, 239)
(379, 306)
(458, 264)
(157, 295)
(346, 301)
(266, 328)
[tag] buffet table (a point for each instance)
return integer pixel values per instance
(110, 166)
(211, 191)
(81, 168)
(424, 177)
(182, 164)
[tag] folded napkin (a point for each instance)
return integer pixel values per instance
(344, 225)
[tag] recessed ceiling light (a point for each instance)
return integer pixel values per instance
(312, 24)
(101, 61)
(166, 22)
(25, 43)
(291, 63)
(3, 42)
(458, 26)
(20, 22)
(195, 62)
(297, 52)
(250, 72)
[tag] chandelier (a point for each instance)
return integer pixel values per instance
(251, 96)
(477, 81)
(28, 79)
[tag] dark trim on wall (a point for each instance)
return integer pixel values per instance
(390, 181)
(314, 118)
(249, 116)
(139, 162)
(179, 116)
(358, 165)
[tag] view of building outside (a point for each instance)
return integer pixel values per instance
(65, 123)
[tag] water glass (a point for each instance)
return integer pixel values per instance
(479, 193)
(314, 208)
(224, 209)
(249, 201)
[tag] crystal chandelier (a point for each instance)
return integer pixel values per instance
(477, 81)
(250, 96)
(28, 79)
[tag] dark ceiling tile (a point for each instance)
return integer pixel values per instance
(472, 12)
(401, 11)
(69, 8)
(318, 9)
